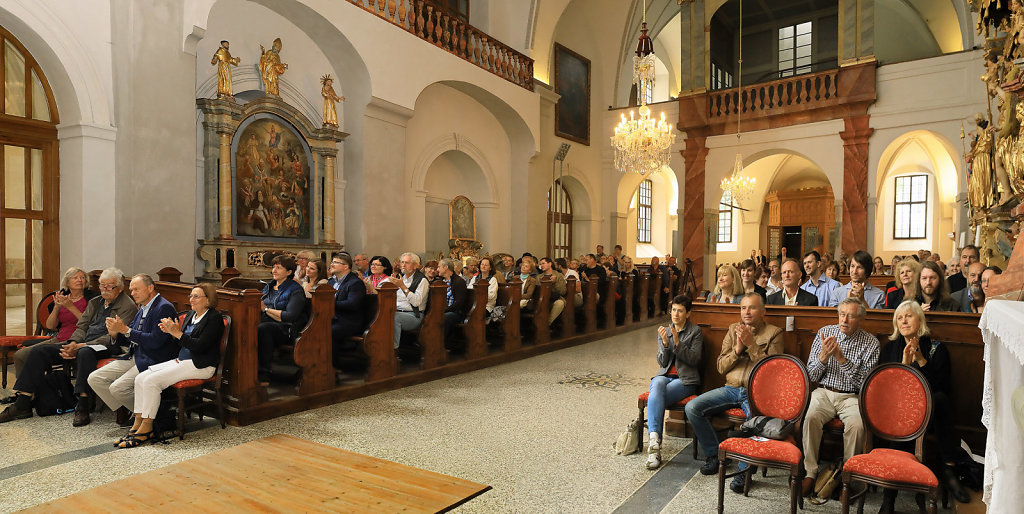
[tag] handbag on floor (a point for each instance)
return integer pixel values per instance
(826, 483)
(627, 442)
(55, 394)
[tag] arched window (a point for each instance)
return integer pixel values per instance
(29, 248)
(643, 213)
(725, 218)
(911, 207)
(559, 223)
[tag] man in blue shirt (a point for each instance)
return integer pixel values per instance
(861, 266)
(817, 283)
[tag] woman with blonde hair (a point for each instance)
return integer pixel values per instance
(728, 286)
(904, 272)
(911, 345)
(69, 303)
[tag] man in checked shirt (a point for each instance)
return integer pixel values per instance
(840, 359)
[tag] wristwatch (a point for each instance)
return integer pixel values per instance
(128, 332)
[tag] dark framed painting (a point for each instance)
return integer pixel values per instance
(572, 83)
(272, 180)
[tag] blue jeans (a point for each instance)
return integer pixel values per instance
(700, 410)
(664, 391)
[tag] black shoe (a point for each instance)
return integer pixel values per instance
(737, 483)
(12, 413)
(710, 466)
(123, 417)
(81, 416)
(8, 399)
(953, 485)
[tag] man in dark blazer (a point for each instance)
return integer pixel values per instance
(791, 294)
(963, 297)
(146, 345)
(456, 297)
(349, 305)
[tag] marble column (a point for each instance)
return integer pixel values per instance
(855, 182)
(694, 246)
(329, 198)
(224, 186)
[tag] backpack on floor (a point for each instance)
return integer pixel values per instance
(55, 394)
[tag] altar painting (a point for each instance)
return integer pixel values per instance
(272, 184)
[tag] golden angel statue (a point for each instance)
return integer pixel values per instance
(330, 98)
(271, 67)
(979, 185)
(223, 60)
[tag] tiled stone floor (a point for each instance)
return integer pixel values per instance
(539, 431)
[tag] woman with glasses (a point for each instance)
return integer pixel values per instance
(380, 269)
(199, 339)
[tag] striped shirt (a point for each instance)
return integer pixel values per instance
(860, 350)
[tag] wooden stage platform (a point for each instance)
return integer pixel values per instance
(280, 473)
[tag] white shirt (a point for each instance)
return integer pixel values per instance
(415, 296)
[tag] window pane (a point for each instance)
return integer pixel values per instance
(804, 52)
(785, 44)
(37, 178)
(803, 28)
(785, 55)
(37, 294)
(14, 245)
(918, 216)
(785, 32)
(14, 177)
(902, 211)
(37, 248)
(14, 81)
(15, 309)
(40, 105)
(920, 189)
(803, 40)
(902, 195)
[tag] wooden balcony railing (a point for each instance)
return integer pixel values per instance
(820, 96)
(439, 27)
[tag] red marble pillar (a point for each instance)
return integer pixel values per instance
(694, 246)
(855, 182)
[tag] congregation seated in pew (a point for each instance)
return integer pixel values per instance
(349, 304)
(284, 314)
(412, 295)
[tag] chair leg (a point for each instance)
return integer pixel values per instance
(721, 486)
(3, 362)
(746, 481)
(640, 424)
(764, 471)
(220, 409)
(931, 500)
(181, 415)
(844, 497)
(793, 493)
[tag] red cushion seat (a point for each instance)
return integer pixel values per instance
(103, 362)
(19, 340)
(892, 465)
(778, 451)
(678, 405)
(195, 382)
(736, 412)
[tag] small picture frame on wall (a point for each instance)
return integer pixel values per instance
(572, 83)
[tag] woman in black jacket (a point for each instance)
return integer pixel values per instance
(911, 345)
(199, 338)
(680, 346)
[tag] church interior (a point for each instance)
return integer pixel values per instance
(628, 172)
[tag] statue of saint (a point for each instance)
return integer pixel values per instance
(330, 98)
(979, 186)
(223, 60)
(1006, 142)
(271, 67)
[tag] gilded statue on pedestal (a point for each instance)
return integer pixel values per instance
(1006, 144)
(330, 98)
(223, 60)
(979, 185)
(271, 67)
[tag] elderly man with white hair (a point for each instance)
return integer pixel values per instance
(413, 292)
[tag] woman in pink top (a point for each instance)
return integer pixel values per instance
(69, 303)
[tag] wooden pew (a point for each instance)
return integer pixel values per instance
(610, 289)
(540, 312)
(313, 349)
(644, 291)
(476, 323)
(379, 338)
(569, 311)
(509, 295)
(958, 331)
(431, 333)
(627, 296)
(590, 305)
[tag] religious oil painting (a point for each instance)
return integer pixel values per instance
(572, 83)
(461, 219)
(272, 181)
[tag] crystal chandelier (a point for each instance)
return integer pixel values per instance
(739, 184)
(642, 144)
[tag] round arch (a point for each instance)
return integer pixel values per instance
(453, 142)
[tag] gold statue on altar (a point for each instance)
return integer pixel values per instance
(271, 67)
(979, 185)
(330, 98)
(223, 60)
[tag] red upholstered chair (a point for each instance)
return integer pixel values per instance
(196, 387)
(679, 406)
(895, 405)
(779, 388)
(10, 344)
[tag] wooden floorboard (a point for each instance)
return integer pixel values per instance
(280, 473)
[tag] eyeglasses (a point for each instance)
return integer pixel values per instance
(191, 296)
(376, 264)
(108, 287)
